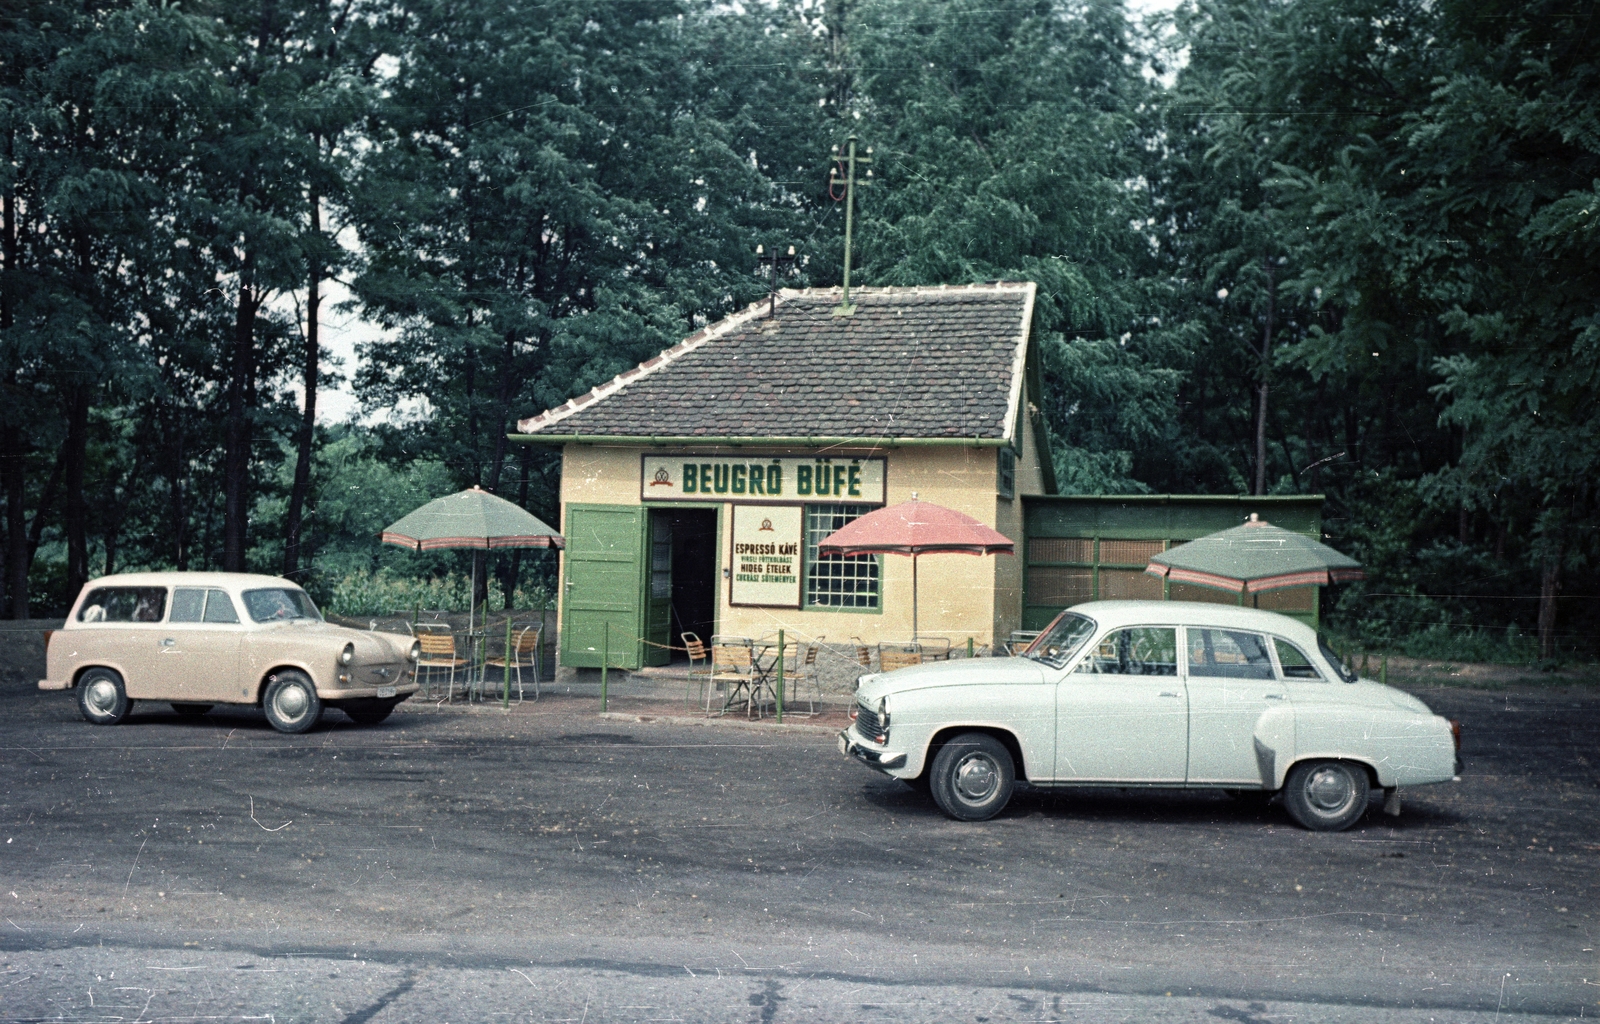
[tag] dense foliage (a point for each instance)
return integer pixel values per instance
(1283, 246)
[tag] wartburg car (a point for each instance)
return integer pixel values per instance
(1160, 694)
(197, 640)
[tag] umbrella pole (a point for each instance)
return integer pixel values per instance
(472, 614)
(913, 597)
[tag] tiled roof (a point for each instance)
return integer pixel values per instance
(940, 362)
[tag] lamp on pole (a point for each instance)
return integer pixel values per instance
(774, 261)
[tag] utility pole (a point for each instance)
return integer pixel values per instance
(773, 261)
(844, 173)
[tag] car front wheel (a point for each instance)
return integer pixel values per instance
(291, 702)
(972, 777)
(101, 697)
(1326, 796)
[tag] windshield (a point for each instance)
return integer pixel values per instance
(1061, 640)
(280, 604)
(1348, 675)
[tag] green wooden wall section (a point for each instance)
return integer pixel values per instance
(605, 581)
(1084, 547)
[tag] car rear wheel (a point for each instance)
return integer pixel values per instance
(972, 777)
(368, 712)
(190, 710)
(1326, 796)
(291, 702)
(101, 697)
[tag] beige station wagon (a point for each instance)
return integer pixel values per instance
(199, 639)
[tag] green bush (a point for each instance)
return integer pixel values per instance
(385, 592)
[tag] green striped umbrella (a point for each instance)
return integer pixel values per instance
(1252, 558)
(471, 519)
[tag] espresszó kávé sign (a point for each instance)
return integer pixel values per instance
(752, 479)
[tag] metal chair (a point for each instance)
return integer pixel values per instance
(699, 665)
(863, 652)
(766, 685)
(898, 656)
(733, 665)
(439, 652)
(1020, 639)
(524, 652)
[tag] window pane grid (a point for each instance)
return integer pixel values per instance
(838, 581)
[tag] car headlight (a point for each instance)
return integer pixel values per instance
(347, 655)
(415, 654)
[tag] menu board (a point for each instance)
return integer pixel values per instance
(766, 555)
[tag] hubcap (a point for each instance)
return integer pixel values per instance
(102, 696)
(1329, 790)
(291, 702)
(977, 777)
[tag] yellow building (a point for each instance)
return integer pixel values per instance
(695, 487)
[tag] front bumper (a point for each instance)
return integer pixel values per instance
(398, 691)
(881, 760)
(55, 684)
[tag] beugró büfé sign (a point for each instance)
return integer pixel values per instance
(752, 479)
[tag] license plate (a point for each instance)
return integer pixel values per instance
(386, 691)
(842, 748)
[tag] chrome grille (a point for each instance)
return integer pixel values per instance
(867, 723)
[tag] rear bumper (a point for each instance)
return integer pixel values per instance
(55, 684)
(881, 760)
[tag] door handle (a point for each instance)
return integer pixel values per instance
(168, 642)
(1168, 693)
(1273, 696)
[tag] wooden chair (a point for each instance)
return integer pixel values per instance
(806, 677)
(935, 648)
(524, 653)
(439, 652)
(733, 666)
(699, 665)
(863, 652)
(898, 656)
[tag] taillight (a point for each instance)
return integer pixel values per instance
(47, 635)
(1455, 733)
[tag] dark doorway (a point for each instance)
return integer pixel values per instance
(694, 574)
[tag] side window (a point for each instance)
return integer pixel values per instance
(188, 604)
(1140, 651)
(1293, 661)
(1229, 654)
(219, 607)
(124, 604)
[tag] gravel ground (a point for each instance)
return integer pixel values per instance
(552, 863)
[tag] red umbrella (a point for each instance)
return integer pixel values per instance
(916, 528)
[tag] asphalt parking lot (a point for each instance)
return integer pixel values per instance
(551, 864)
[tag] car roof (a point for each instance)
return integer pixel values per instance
(1194, 613)
(225, 580)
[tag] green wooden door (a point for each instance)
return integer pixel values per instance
(605, 583)
(658, 602)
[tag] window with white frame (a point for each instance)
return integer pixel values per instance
(838, 581)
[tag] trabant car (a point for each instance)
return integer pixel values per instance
(199, 639)
(1161, 694)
